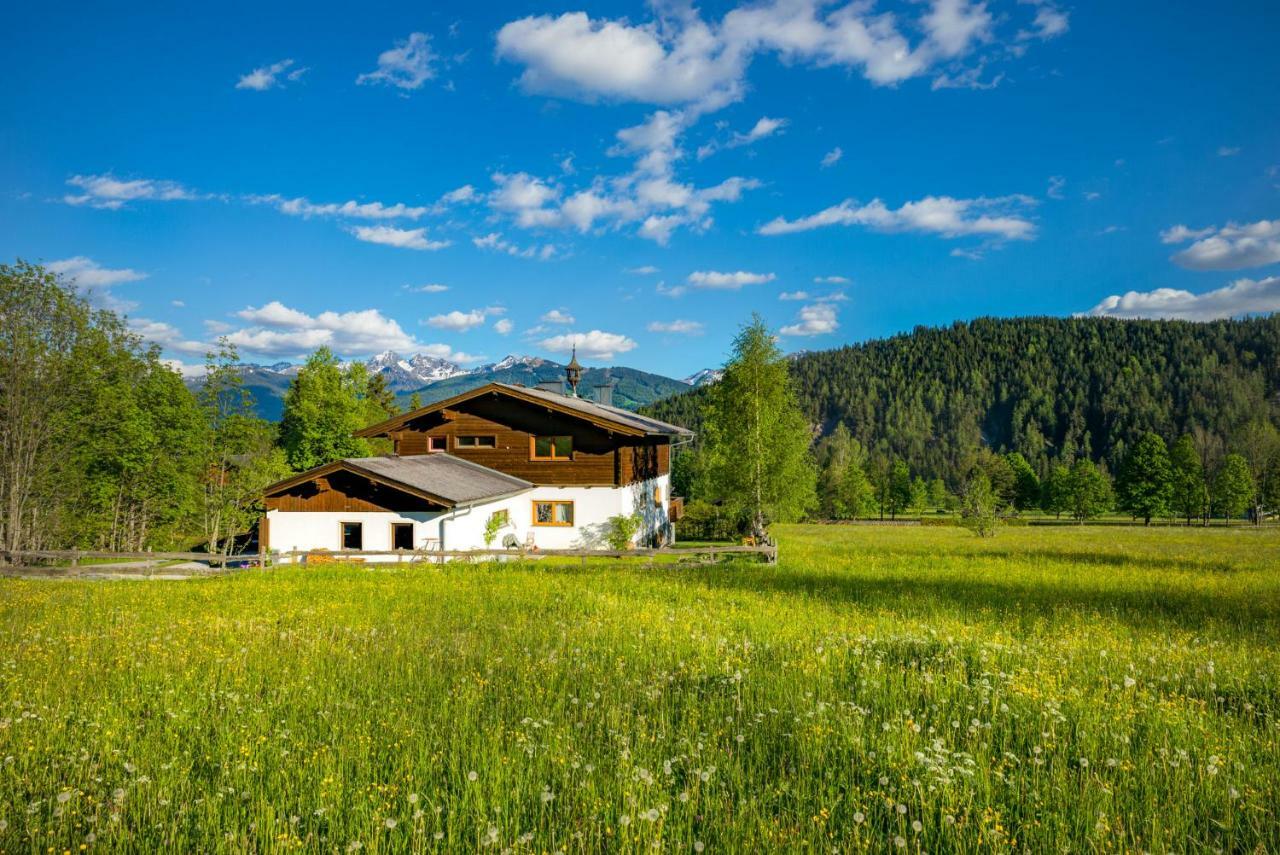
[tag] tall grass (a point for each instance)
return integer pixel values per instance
(1049, 689)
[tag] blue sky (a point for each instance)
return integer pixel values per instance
(473, 180)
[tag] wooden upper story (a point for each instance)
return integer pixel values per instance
(543, 437)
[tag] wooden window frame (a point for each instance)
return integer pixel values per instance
(342, 535)
(553, 503)
(491, 437)
(396, 525)
(554, 458)
(431, 441)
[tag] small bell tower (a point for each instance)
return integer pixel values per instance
(573, 373)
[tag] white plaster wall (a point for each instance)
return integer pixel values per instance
(463, 528)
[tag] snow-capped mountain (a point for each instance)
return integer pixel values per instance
(512, 361)
(413, 373)
(704, 377)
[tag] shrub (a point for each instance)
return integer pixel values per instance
(622, 530)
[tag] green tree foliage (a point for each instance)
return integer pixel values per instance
(978, 504)
(1088, 491)
(938, 497)
(1145, 484)
(1055, 490)
(98, 438)
(855, 496)
(755, 437)
(326, 403)
(1188, 493)
(240, 455)
(899, 488)
(1026, 484)
(1233, 488)
(621, 531)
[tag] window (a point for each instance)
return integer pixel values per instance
(353, 536)
(437, 443)
(657, 496)
(552, 447)
(475, 442)
(553, 513)
(402, 535)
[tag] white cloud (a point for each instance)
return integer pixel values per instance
(303, 207)
(503, 326)
(107, 191)
(496, 243)
(764, 127)
(941, 215)
(1050, 22)
(402, 238)
(955, 25)
(1056, 185)
(677, 326)
(167, 336)
(432, 288)
(590, 345)
(1232, 247)
(1228, 150)
(462, 321)
(671, 291)
(526, 197)
(268, 76)
(727, 281)
(794, 295)
(574, 55)
(279, 330)
(972, 254)
(557, 316)
(645, 270)
(405, 66)
(815, 319)
(1242, 297)
(831, 280)
(832, 157)
(87, 273)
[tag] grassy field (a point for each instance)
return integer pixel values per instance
(882, 688)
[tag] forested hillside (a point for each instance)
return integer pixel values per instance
(1049, 388)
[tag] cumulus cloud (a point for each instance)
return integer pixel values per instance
(1232, 247)
(941, 215)
(459, 321)
(503, 326)
(677, 326)
(794, 295)
(557, 316)
(814, 319)
(832, 157)
(279, 330)
(87, 273)
(595, 344)
(727, 281)
(268, 76)
(402, 238)
(112, 193)
(1242, 297)
(405, 66)
(304, 207)
(831, 280)
(167, 336)
(1049, 22)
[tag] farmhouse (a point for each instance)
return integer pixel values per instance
(545, 468)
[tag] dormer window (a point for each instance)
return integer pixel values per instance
(437, 443)
(551, 448)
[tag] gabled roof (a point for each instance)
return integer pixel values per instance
(614, 419)
(440, 478)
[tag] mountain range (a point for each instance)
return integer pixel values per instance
(434, 379)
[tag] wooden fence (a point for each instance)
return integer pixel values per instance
(30, 559)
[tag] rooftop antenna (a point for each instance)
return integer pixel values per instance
(573, 372)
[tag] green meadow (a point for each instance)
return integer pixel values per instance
(880, 688)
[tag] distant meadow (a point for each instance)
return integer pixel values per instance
(913, 689)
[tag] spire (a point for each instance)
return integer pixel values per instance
(573, 372)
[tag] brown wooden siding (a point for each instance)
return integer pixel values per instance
(343, 491)
(599, 457)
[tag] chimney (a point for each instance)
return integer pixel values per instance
(604, 393)
(556, 386)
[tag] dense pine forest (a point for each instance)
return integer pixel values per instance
(1051, 389)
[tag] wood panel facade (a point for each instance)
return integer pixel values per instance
(599, 458)
(345, 491)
